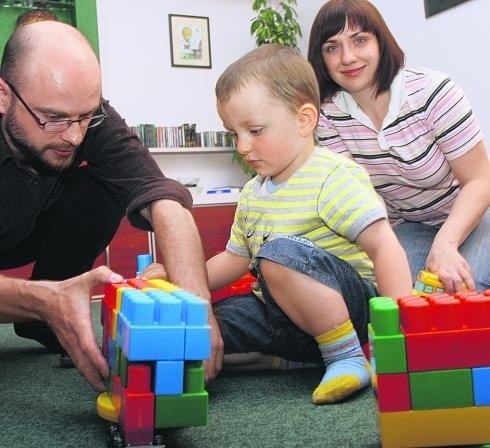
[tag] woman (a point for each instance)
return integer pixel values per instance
(415, 132)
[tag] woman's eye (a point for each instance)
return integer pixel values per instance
(360, 40)
(330, 49)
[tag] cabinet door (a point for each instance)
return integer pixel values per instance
(124, 248)
(214, 224)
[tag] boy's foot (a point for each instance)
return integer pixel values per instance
(342, 379)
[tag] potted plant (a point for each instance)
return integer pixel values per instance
(275, 23)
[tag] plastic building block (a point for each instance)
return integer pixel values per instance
(393, 392)
(429, 283)
(142, 262)
(241, 286)
(441, 389)
(438, 327)
(481, 386)
(386, 342)
(169, 377)
(441, 397)
(435, 427)
(155, 337)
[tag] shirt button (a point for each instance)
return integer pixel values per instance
(383, 144)
(35, 181)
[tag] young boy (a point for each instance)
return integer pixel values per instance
(309, 226)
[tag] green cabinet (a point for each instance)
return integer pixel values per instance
(80, 13)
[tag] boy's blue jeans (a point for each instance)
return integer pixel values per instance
(249, 324)
(417, 238)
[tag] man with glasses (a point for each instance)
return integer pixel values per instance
(70, 169)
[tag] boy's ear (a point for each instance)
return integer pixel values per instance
(308, 118)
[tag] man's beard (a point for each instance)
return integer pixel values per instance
(33, 156)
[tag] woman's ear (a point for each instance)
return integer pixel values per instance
(308, 118)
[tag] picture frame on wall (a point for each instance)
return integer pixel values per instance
(433, 7)
(189, 41)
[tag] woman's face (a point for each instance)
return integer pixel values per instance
(351, 59)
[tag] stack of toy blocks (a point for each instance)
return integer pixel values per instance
(430, 356)
(155, 337)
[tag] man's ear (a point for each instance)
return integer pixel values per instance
(308, 118)
(4, 96)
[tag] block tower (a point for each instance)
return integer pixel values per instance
(155, 338)
(430, 355)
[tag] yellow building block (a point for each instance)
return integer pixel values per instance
(435, 427)
(162, 284)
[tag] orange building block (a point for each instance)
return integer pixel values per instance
(435, 427)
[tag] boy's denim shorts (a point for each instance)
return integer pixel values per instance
(249, 324)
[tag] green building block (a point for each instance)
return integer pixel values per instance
(117, 361)
(388, 353)
(123, 368)
(176, 411)
(441, 389)
(194, 377)
(384, 316)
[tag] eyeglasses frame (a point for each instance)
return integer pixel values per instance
(42, 124)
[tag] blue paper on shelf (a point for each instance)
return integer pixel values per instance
(218, 190)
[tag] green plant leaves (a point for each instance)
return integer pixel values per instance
(277, 26)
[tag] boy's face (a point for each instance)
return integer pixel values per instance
(267, 134)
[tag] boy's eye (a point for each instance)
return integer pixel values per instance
(256, 131)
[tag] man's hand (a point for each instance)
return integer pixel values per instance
(214, 364)
(67, 311)
(154, 270)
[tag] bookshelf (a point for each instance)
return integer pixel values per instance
(193, 150)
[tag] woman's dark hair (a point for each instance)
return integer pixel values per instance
(331, 19)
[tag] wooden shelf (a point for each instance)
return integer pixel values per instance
(194, 150)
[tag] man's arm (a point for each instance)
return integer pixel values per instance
(65, 307)
(180, 248)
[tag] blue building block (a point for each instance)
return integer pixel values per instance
(169, 378)
(150, 342)
(197, 343)
(142, 262)
(140, 335)
(177, 320)
(481, 386)
(169, 308)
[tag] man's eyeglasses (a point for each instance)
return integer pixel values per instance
(55, 126)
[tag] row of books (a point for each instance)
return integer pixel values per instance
(184, 136)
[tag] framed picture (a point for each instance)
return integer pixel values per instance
(433, 7)
(189, 41)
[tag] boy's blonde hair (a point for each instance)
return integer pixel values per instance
(282, 71)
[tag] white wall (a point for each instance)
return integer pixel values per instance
(140, 82)
(136, 66)
(454, 41)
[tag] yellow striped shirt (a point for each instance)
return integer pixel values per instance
(329, 200)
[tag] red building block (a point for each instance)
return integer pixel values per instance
(138, 283)
(393, 392)
(138, 406)
(445, 332)
(241, 286)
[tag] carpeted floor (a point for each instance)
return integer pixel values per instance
(47, 406)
